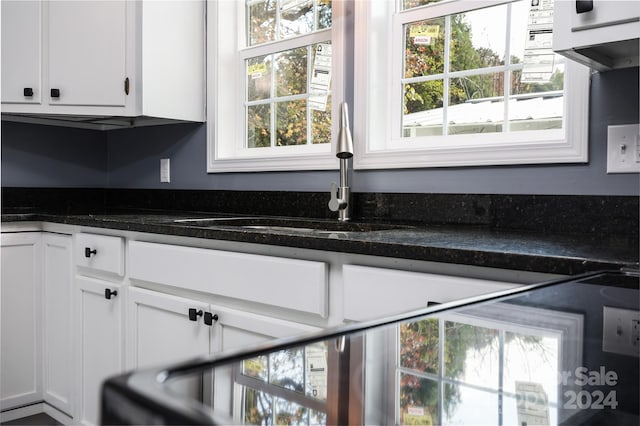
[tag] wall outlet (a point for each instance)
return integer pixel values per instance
(165, 174)
(621, 331)
(623, 149)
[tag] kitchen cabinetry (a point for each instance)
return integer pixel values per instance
(99, 317)
(21, 322)
(57, 280)
(378, 292)
(603, 36)
(103, 64)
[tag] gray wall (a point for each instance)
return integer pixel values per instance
(130, 158)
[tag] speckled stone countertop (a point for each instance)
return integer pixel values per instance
(566, 254)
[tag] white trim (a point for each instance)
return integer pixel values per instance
(377, 122)
(225, 141)
(32, 410)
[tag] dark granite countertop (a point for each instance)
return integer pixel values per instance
(566, 254)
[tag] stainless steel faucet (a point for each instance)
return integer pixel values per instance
(340, 194)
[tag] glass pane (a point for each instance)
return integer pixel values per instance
(533, 107)
(316, 370)
(476, 104)
(519, 20)
(321, 124)
(256, 407)
(324, 14)
(423, 114)
(259, 126)
(256, 367)
(419, 343)
(418, 401)
(424, 49)
(258, 78)
(296, 17)
(287, 369)
(410, 4)
(478, 38)
(261, 21)
(471, 354)
(291, 72)
(464, 405)
(290, 413)
(291, 123)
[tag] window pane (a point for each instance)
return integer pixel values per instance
(418, 401)
(423, 113)
(287, 369)
(321, 124)
(256, 407)
(290, 413)
(259, 126)
(419, 345)
(256, 367)
(325, 15)
(262, 21)
(478, 38)
(258, 78)
(464, 405)
(296, 17)
(316, 370)
(424, 48)
(476, 104)
(291, 123)
(291, 72)
(410, 4)
(471, 354)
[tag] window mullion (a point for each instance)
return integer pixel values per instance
(445, 81)
(310, 52)
(507, 72)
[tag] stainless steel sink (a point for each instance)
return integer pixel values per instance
(286, 224)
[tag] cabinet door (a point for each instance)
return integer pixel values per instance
(21, 51)
(21, 322)
(87, 52)
(58, 347)
(236, 329)
(160, 331)
(101, 338)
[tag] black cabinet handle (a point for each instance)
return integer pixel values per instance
(108, 293)
(27, 91)
(209, 318)
(88, 252)
(55, 93)
(194, 314)
(431, 303)
(583, 6)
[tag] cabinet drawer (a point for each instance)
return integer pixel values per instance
(99, 253)
(289, 283)
(375, 292)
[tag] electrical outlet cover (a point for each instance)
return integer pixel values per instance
(620, 331)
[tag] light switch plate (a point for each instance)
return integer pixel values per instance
(621, 331)
(623, 149)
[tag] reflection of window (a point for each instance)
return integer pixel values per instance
(469, 83)
(274, 76)
(469, 369)
(285, 387)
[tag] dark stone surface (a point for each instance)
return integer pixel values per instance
(553, 234)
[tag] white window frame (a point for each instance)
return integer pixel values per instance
(226, 75)
(377, 106)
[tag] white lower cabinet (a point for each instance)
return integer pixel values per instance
(57, 277)
(100, 341)
(21, 321)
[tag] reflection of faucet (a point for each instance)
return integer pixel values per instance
(340, 195)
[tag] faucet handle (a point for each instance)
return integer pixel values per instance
(334, 203)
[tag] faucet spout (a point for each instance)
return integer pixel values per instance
(340, 194)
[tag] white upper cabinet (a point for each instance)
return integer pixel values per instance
(103, 64)
(21, 52)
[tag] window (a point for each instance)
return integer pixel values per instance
(275, 81)
(462, 82)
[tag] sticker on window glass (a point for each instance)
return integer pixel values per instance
(257, 70)
(320, 78)
(538, 53)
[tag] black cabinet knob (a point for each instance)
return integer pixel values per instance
(209, 318)
(194, 314)
(431, 303)
(583, 6)
(27, 91)
(108, 293)
(88, 252)
(55, 93)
